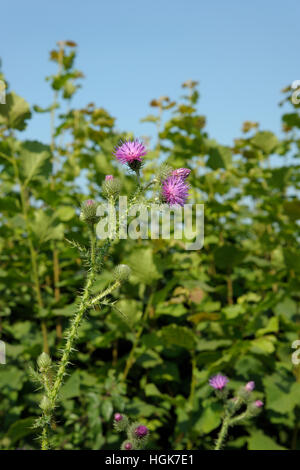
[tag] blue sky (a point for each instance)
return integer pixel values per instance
(242, 53)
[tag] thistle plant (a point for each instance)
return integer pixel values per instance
(172, 189)
(232, 406)
(137, 433)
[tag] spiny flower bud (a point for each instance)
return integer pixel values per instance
(111, 187)
(141, 431)
(122, 272)
(259, 403)
(45, 404)
(163, 172)
(121, 422)
(127, 445)
(118, 417)
(250, 386)
(254, 407)
(44, 362)
(89, 212)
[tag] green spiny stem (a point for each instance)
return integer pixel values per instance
(70, 341)
(223, 433)
(106, 292)
(75, 323)
(45, 439)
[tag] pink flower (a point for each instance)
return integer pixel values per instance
(128, 446)
(89, 202)
(250, 386)
(130, 152)
(109, 177)
(141, 431)
(118, 417)
(218, 382)
(175, 191)
(181, 172)
(259, 403)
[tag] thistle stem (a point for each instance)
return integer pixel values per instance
(70, 341)
(223, 433)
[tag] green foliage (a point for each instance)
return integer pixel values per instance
(232, 307)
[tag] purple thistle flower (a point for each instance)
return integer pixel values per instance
(109, 177)
(175, 191)
(128, 446)
(141, 431)
(259, 403)
(218, 382)
(250, 386)
(181, 172)
(130, 153)
(118, 417)
(89, 202)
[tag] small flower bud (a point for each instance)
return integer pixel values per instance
(163, 172)
(45, 404)
(118, 417)
(43, 362)
(127, 446)
(250, 386)
(141, 431)
(120, 422)
(254, 407)
(89, 212)
(111, 187)
(122, 272)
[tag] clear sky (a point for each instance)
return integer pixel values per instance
(242, 53)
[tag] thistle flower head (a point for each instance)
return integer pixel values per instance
(118, 417)
(122, 272)
(127, 446)
(258, 403)
(141, 431)
(111, 187)
(181, 172)
(89, 212)
(131, 153)
(175, 191)
(43, 362)
(218, 382)
(250, 386)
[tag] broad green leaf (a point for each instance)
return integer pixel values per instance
(15, 112)
(265, 140)
(179, 336)
(260, 441)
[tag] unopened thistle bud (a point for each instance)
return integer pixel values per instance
(250, 386)
(45, 404)
(89, 212)
(163, 172)
(127, 445)
(44, 362)
(122, 272)
(255, 407)
(111, 187)
(118, 417)
(121, 422)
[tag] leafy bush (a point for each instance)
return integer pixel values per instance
(231, 307)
